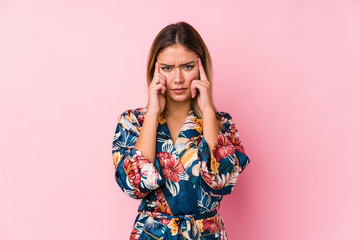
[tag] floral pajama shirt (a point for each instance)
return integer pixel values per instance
(181, 192)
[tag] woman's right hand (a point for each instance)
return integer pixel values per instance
(157, 88)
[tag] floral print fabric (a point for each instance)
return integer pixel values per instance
(181, 191)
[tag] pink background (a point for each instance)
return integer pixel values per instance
(287, 71)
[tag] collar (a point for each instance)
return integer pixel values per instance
(189, 132)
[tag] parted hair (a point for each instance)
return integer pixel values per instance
(184, 34)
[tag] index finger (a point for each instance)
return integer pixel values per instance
(201, 70)
(157, 68)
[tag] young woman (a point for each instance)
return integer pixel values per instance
(178, 154)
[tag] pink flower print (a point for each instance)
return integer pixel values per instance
(223, 148)
(132, 172)
(161, 204)
(134, 234)
(171, 167)
(212, 224)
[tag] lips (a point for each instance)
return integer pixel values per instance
(179, 90)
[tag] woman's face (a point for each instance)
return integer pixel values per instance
(179, 65)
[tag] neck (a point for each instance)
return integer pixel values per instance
(177, 109)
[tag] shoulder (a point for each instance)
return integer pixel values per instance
(134, 112)
(134, 116)
(223, 115)
(226, 121)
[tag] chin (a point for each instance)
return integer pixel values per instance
(180, 98)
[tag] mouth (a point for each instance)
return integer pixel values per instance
(178, 90)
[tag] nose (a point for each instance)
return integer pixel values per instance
(179, 78)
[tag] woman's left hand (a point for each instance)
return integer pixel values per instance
(203, 91)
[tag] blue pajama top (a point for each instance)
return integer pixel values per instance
(181, 191)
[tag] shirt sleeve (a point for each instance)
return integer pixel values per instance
(134, 172)
(220, 169)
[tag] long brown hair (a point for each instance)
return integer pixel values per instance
(184, 34)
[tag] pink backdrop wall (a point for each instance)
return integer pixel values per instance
(287, 71)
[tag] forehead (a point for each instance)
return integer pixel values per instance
(176, 54)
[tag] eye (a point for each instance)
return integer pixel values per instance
(166, 69)
(189, 67)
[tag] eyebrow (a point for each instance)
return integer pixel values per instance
(167, 65)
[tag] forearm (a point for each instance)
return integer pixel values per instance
(210, 128)
(146, 142)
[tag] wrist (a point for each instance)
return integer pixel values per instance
(151, 114)
(209, 113)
